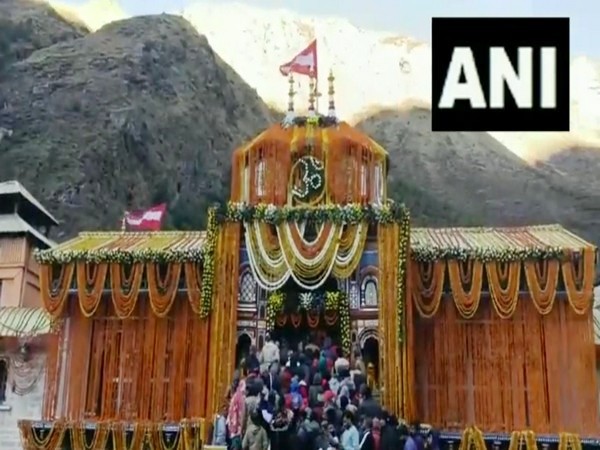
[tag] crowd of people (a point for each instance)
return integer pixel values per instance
(309, 398)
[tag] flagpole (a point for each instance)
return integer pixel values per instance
(317, 95)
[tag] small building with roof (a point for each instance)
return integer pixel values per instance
(25, 327)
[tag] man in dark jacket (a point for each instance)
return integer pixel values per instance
(369, 407)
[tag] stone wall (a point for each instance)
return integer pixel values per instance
(28, 377)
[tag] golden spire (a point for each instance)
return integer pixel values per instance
(291, 94)
(331, 92)
(311, 95)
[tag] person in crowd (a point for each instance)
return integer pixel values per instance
(309, 400)
(369, 407)
(252, 362)
(340, 363)
(269, 354)
(350, 437)
(376, 431)
(322, 440)
(280, 426)
(235, 416)
(390, 433)
(255, 436)
(333, 436)
(254, 387)
(416, 436)
(219, 436)
(315, 390)
(366, 440)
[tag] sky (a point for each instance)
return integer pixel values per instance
(413, 17)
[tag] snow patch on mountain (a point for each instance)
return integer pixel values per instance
(93, 13)
(374, 70)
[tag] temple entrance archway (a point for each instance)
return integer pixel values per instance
(242, 348)
(369, 348)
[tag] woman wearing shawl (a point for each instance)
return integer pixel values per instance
(235, 416)
(280, 427)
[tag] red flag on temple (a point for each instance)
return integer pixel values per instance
(304, 63)
(145, 220)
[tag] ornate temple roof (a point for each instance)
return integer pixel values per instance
(495, 243)
(426, 243)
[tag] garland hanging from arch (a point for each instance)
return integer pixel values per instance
(504, 280)
(188, 435)
(335, 307)
(283, 253)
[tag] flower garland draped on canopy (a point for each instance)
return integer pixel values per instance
(278, 253)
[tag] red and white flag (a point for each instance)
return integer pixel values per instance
(145, 220)
(304, 63)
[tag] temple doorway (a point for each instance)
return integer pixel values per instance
(242, 347)
(302, 322)
(305, 331)
(370, 355)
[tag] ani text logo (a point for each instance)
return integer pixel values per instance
(500, 74)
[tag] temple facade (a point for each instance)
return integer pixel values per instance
(472, 330)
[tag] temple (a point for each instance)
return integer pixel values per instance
(485, 333)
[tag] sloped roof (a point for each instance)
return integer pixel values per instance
(23, 322)
(138, 245)
(426, 243)
(13, 187)
(14, 224)
(478, 242)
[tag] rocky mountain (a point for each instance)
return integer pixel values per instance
(475, 174)
(373, 69)
(143, 110)
(29, 26)
(138, 112)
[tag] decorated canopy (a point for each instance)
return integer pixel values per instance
(309, 161)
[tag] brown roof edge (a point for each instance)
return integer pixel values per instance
(13, 187)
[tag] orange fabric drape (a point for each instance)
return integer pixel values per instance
(428, 286)
(140, 368)
(125, 282)
(54, 290)
(503, 279)
(354, 164)
(507, 374)
(91, 280)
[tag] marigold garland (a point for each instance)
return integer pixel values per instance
(119, 436)
(569, 441)
(208, 270)
(472, 439)
(517, 438)
(100, 434)
(504, 280)
(403, 251)
(45, 439)
(349, 214)
(334, 301)
(275, 304)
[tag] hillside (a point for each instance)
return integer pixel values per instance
(144, 111)
(139, 112)
(476, 175)
(28, 25)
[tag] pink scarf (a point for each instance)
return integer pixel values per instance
(236, 412)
